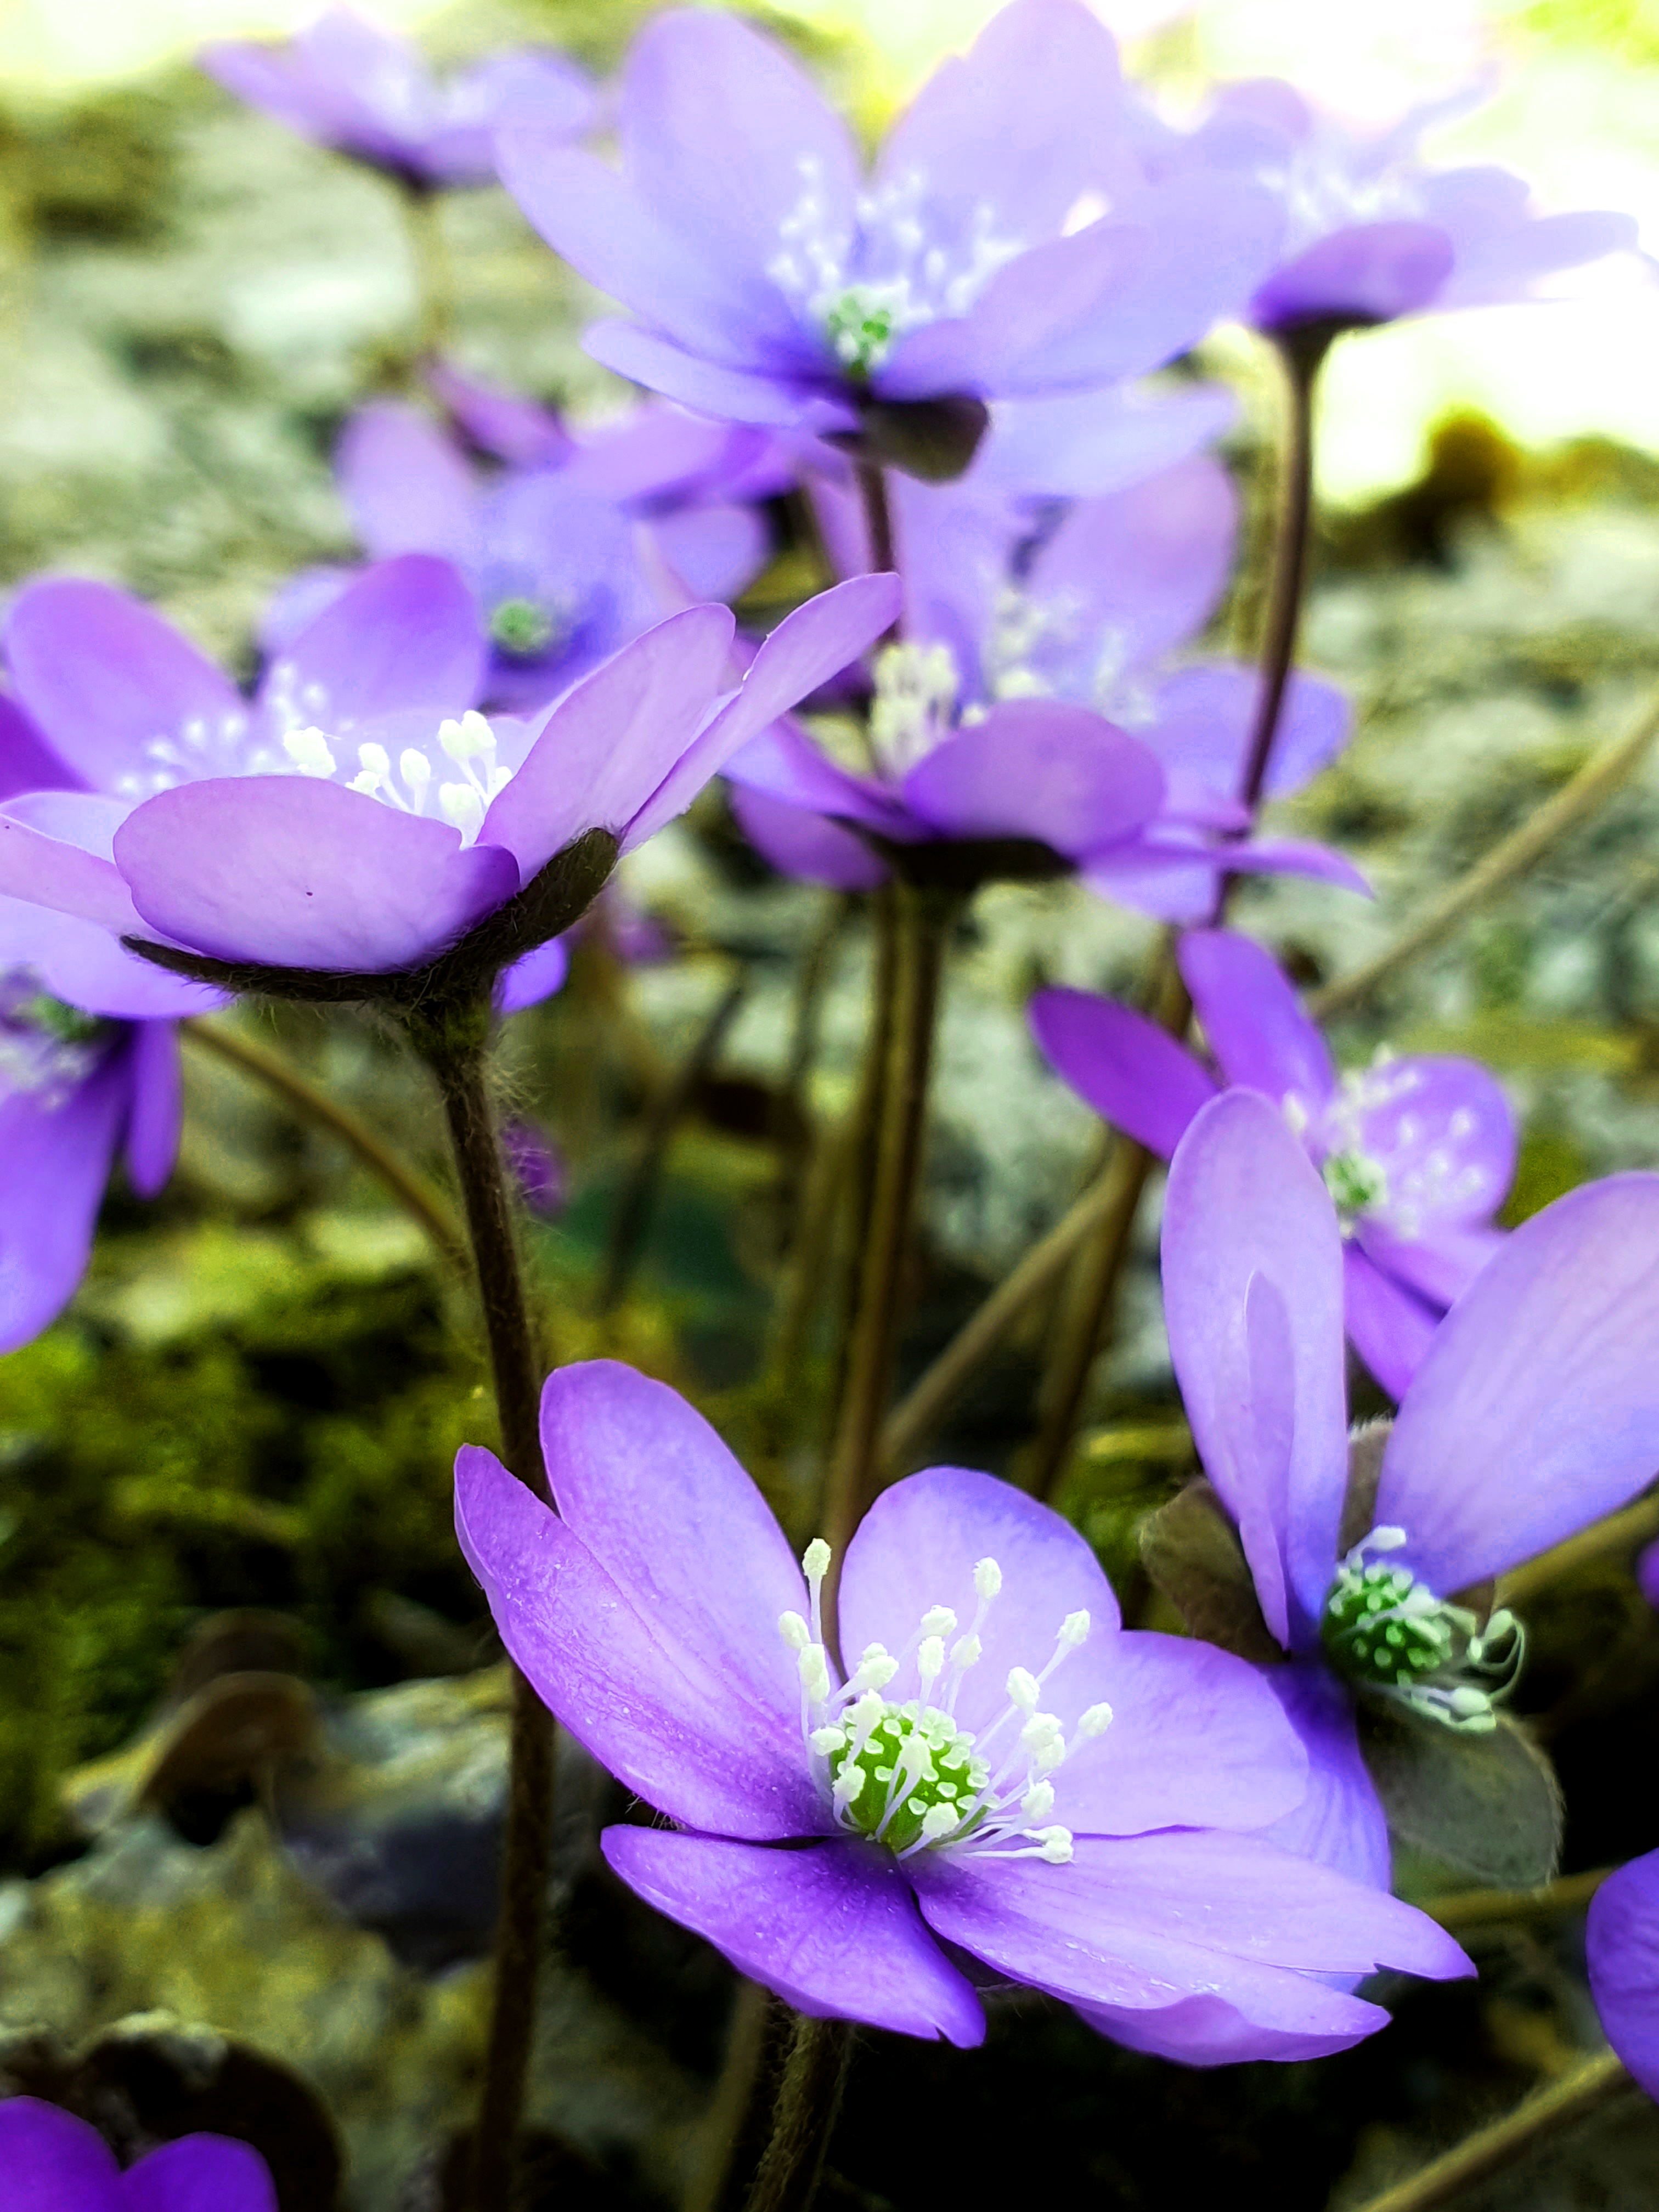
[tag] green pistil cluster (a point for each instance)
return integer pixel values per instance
(1355, 1183)
(924, 1749)
(50, 1018)
(861, 328)
(522, 627)
(1373, 1635)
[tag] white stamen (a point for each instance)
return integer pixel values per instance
(309, 751)
(1024, 1689)
(795, 1631)
(988, 1579)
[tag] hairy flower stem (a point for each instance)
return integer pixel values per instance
(735, 2112)
(803, 2117)
(410, 1189)
(454, 1043)
(433, 271)
(1490, 2149)
(878, 511)
(923, 920)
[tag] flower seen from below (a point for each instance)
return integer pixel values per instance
(50, 2161)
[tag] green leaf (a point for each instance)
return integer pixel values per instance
(1489, 1805)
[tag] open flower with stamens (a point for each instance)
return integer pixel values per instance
(347, 83)
(1417, 1152)
(50, 2161)
(358, 816)
(1622, 1951)
(1534, 1412)
(1003, 246)
(970, 1769)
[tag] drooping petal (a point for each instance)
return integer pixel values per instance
(833, 1929)
(55, 1156)
(1037, 767)
(293, 872)
(1504, 265)
(1536, 1408)
(1140, 1921)
(692, 1742)
(45, 862)
(26, 762)
(52, 2162)
(536, 976)
(1369, 272)
(1210, 2031)
(1132, 1073)
(1389, 1325)
(780, 399)
(1340, 1821)
(917, 1548)
(1083, 445)
(1203, 719)
(1176, 876)
(86, 967)
(106, 681)
(809, 846)
(1253, 1301)
(1253, 1019)
(1622, 1949)
(200, 2173)
(404, 635)
(407, 487)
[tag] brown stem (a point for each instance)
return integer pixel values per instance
(877, 513)
(863, 1136)
(924, 919)
(1490, 2149)
(410, 1189)
(1488, 1908)
(1620, 1531)
(456, 1051)
(803, 2116)
(434, 270)
(733, 2108)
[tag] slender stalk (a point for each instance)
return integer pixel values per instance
(923, 921)
(1622, 1531)
(1489, 1908)
(877, 513)
(433, 271)
(409, 1187)
(1490, 2149)
(803, 2116)
(456, 1051)
(864, 1136)
(735, 2098)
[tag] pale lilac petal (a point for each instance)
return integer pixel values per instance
(1443, 1131)
(1439, 1265)
(1504, 265)
(536, 977)
(686, 1736)
(808, 646)
(1037, 767)
(779, 400)
(54, 1163)
(58, 872)
(505, 424)
(1622, 1947)
(1086, 444)
(1369, 273)
(1253, 1019)
(406, 486)
(1253, 1302)
(103, 678)
(1340, 1821)
(540, 90)
(278, 82)
(716, 552)
(404, 635)
(677, 1524)
(1171, 874)
(86, 967)
(1203, 719)
(808, 846)
(1140, 1921)
(200, 2173)
(1197, 1739)
(917, 1547)
(785, 765)
(53, 2162)
(293, 872)
(157, 1112)
(833, 1929)
(609, 743)
(1536, 1409)
(1132, 1073)
(294, 606)
(26, 762)
(1209, 2031)
(1389, 1325)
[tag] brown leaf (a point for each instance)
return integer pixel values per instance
(1191, 1551)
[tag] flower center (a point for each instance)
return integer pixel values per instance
(861, 323)
(908, 1774)
(1355, 1181)
(415, 785)
(1384, 1631)
(914, 704)
(522, 627)
(47, 1049)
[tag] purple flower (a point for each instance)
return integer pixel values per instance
(1033, 680)
(1622, 1946)
(773, 282)
(1369, 232)
(538, 1165)
(1534, 1411)
(1647, 1574)
(1416, 1152)
(89, 1068)
(347, 83)
(50, 2161)
(357, 815)
(1000, 1772)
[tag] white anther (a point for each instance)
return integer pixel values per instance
(1094, 1721)
(848, 1783)
(814, 1560)
(1466, 1703)
(466, 739)
(310, 752)
(987, 1578)
(794, 1631)
(874, 1671)
(814, 1673)
(375, 759)
(1022, 1689)
(938, 1820)
(1038, 1801)
(824, 1741)
(930, 1661)
(461, 807)
(1384, 1539)
(966, 1652)
(939, 1621)
(1055, 1845)
(1295, 1113)
(1073, 1631)
(416, 770)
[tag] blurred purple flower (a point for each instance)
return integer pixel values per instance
(774, 283)
(347, 83)
(1417, 1152)
(50, 2161)
(1647, 1574)
(1065, 1792)
(1037, 654)
(1370, 232)
(356, 816)
(1534, 1412)
(1622, 1949)
(537, 1166)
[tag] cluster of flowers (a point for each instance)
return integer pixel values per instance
(963, 1772)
